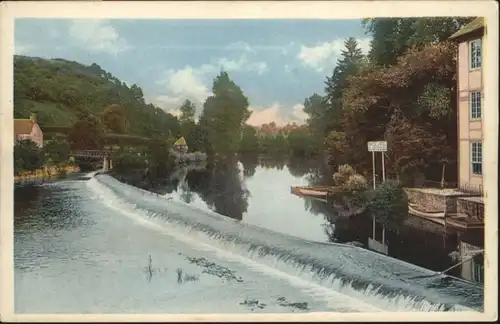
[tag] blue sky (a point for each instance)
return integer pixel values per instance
(277, 63)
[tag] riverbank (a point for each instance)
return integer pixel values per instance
(43, 175)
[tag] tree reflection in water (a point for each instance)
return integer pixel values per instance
(250, 163)
(221, 188)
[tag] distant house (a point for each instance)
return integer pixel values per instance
(28, 129)
(180, 145)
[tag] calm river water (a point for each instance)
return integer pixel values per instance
(97, 245)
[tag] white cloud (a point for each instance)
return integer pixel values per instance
(193, 83)
(97, 36)
(247, 48)
(298, 112)
(325, 55)
(262, 115)
(364, 44)
(187, 83)
(168, 104)
(242, 64)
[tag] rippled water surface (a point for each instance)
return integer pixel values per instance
(107, 247)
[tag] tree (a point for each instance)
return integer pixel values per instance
(409, 104)
(249, 140)
(301, 142)
(86, 134)
(337, 146)
(27, 156)
(137, 92)
(318, 119)
(389, 38)
(65, 91)
(57, 151)
(158, 156)
(393, 37)
(224, 114)
(188, 112)
(349, 64)
(114, 119)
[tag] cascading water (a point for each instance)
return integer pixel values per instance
(376, 280)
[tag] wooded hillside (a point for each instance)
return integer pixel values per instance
(60, 91)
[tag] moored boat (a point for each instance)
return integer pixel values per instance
(315, 191)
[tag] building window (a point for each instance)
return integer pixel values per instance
(476, 53)
(475, 104)
(477, 158)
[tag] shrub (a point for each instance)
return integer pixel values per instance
(388, 202)
(126, 162)
(348, 179)
(356, 182)
(27, 156)
(340, 177)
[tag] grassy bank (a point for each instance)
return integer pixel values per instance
(45, 173)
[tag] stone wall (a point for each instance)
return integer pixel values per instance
(471, 209)
(434, 200)
(426, 202)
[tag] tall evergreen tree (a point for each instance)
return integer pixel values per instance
(348, 65)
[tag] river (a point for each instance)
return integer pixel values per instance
(232, 239)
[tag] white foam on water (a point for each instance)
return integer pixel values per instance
(331, 289)
(333, 298)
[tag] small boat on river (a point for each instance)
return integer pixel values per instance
(314, 191)
(435, 216)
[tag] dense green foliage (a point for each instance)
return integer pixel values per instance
(224, 115)
(94, 109)
(61, 91)
(387, 202)
(57, 151)
(125, 162)
(86, 134)
(27, 156)
(403, 91)
(249, 140)
(393, 37)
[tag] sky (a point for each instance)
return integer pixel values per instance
(277, 63)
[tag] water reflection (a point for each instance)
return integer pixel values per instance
(416, 241)
(250, 163)
(40, 208)
(256, 190)
(221, 188)
(252, 189)
(56, 239)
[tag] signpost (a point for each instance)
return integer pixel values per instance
(378, 146)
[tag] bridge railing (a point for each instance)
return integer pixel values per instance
(91, 153)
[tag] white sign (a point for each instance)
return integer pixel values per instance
(377, 146)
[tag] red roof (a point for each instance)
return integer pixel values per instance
(23, 126)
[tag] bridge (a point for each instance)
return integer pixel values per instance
(96, 154)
